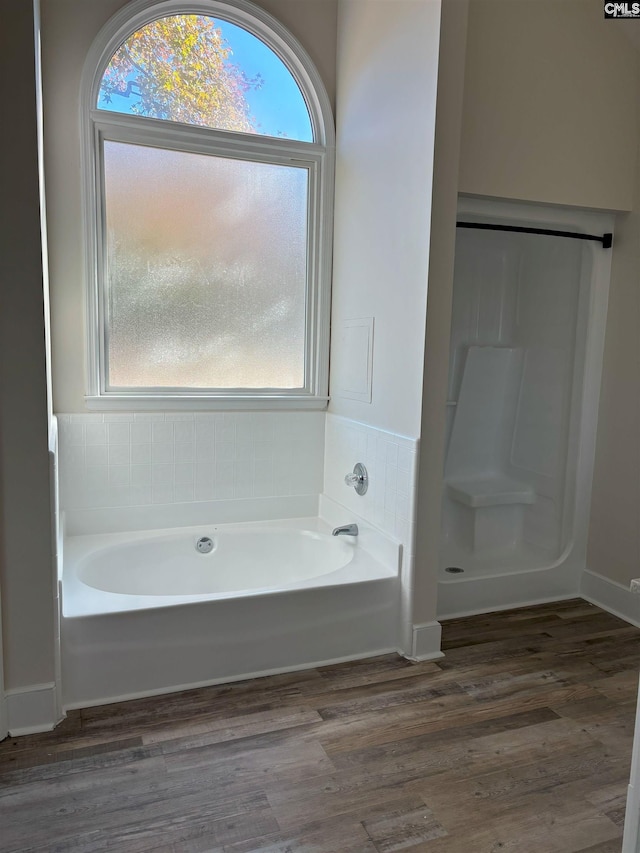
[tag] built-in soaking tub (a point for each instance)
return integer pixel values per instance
(152, 611)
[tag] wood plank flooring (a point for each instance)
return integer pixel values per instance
(519, 740)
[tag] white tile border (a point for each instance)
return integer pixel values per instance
(136, 460)
(391, 461)
(395, 437)
(158, 516)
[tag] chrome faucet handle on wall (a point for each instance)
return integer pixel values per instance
(359, 479)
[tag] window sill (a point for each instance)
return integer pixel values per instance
(148, 403)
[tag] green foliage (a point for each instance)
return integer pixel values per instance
(178, 69)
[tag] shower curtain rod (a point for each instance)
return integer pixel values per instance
(606, 239)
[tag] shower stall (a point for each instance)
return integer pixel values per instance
(527, 333)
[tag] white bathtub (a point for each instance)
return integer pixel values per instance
(144, 612)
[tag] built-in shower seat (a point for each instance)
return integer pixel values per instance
(490, 491)
(487, 504)
(490, 511)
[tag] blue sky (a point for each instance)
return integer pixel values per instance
(278, 106)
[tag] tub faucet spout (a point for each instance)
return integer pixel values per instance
(346, 530)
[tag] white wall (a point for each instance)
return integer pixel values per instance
(68, 30)
(26, 574)
(614, 527)
(385, 122)
(550, 104)
(385, 101)
(453, 36)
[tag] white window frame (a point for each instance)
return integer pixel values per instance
(317, 157)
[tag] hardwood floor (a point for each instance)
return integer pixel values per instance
(518, 740)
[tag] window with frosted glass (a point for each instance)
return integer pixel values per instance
(208, 158)
(206, 270)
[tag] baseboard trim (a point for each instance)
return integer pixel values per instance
(498, 608)
(32, 709)
(611, 596)
(427, 640)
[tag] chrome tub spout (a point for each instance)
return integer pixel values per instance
(346, 530)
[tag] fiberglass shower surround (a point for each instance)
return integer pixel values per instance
(522, 318)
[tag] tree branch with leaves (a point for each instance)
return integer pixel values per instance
(178, 69)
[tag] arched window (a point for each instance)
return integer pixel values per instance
(209, 148)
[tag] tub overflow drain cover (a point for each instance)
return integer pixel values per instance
(204, 545)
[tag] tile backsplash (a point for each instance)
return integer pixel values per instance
(157, 460)
(391, 462)
(120, 460)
